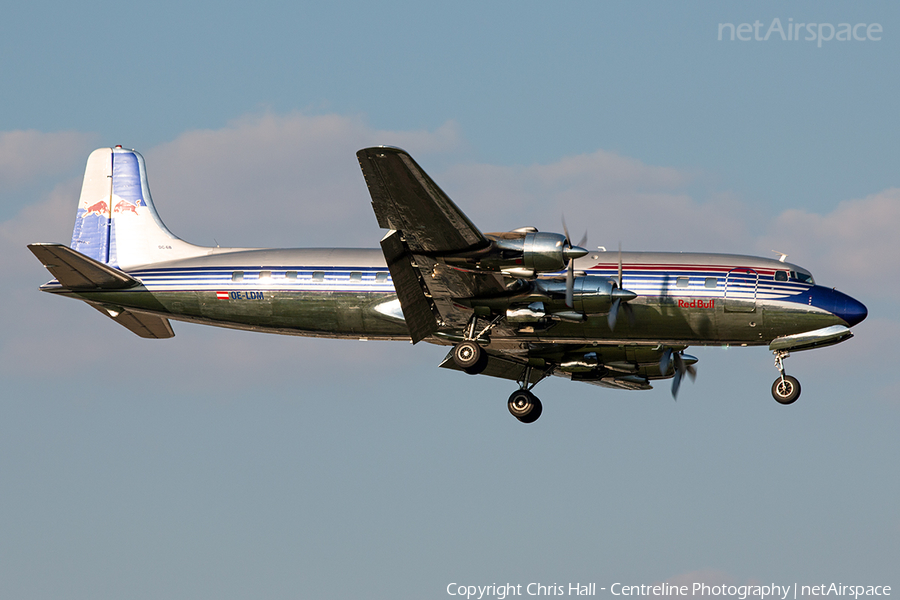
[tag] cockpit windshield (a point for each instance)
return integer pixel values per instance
(802, 277)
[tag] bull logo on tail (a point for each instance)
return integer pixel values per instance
(100, 209)
(124, 206)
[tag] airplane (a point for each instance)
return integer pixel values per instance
(520, 305)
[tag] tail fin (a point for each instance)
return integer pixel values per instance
(116, 222)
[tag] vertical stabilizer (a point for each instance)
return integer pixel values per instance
(116, 222)
(93, 219)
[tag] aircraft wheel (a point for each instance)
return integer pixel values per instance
(468, 355)
(787, 391)
(479, 366)
(525, 406)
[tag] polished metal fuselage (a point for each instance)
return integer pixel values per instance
(682, 298)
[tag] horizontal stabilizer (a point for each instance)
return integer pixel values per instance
(75, 271)
(144, 325)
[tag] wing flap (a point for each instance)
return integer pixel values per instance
(76, 271)
(418, 311)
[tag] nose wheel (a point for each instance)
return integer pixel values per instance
(786, 388)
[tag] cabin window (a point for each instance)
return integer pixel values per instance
(802, 277)
(781, 276)
(355, 276)
(237, 276)
(682, 282)
(265, 274)
(290, 275)
(711, 282)
(318, 276)
(381, 277)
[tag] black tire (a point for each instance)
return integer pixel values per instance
(535, 413)
(787, 391)
(467, 354)
(480, 366)
(524, 406)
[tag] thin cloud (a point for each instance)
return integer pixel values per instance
(47, 221)
(276, 180)
(856, 243)
(30, 154)
(617, 199)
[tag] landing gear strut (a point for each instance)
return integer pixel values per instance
(522, 404)
(786, 389)
(468, 354)
(471, 358)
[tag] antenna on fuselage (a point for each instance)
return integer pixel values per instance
(782, 257)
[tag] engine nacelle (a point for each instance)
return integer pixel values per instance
(545, 252)
(530, 252)
(593, 295)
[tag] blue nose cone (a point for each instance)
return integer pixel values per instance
(849, 309)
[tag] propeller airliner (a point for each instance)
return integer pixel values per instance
(520, 305)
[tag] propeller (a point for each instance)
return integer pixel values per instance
(680, 369)
(572, 252)
(664, 361)
(620, 297)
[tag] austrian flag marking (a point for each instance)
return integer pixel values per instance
(221, 295)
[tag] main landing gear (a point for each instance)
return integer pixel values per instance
(522, 404)
(468, 354)
(525, 406)
(786, 389)
(471, 358)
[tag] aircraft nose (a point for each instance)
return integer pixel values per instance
(849, 309)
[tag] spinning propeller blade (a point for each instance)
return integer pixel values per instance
(679, 373)
(664, 361)
(681, 367)
(613, 314)
(573, 252)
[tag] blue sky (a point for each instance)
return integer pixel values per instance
(233, 465)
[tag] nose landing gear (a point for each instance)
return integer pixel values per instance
(786, 388)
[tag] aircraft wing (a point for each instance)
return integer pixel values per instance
(427, 229)
(503, 367)
(508, 367)
(406, 199)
